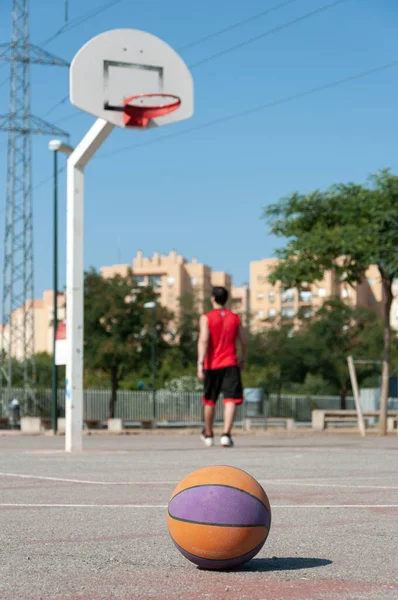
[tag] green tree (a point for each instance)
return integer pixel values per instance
(345, 229)
(117, 328)
(279, 353)
(44, 362)
(185, 383)
(187, 331)
(337, 331)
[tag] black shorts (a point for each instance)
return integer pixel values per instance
(226, 381)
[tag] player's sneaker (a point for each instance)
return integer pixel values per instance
(226, 440)
(208, 440)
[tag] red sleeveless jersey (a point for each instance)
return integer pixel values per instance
(223, 329)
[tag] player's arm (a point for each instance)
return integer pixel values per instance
(242, 337)
(203, 343)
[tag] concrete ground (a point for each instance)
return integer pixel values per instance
(93, 526)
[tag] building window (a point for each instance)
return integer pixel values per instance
(321, 292)
(155, 281)
(288, 295)
(271, 297)
(272, 313)
(260, 279)
(371, 281)
(305, 296)
(170, 281)
(260, 314)
(140, 280)
(345, 293)
(287, 312)
(194, 281)
(260, 296)
(307, 312)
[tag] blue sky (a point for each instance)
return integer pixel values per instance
(202, 193)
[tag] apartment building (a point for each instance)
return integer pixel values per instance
(43, 315)
(268, 301)
(240, 303)
(173, 277)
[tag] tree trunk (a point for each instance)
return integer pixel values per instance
(343, 396)
(387, 293)
(114, 389)
(279, 399)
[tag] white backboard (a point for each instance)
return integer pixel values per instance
(121, 63)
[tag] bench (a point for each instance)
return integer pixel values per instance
(4, 422)
(288, 423)
(120, 425)
(38, 425)
(91, 424)
(320, 418)
(392, 423)
(34, 425)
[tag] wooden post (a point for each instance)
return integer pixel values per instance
(354, 384)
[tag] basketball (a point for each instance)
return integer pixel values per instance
(219, 517)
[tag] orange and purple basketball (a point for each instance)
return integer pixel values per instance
(219, 517)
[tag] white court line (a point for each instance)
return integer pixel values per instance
(335, 485)
(62, 479)
(9, 505)
(83, 505)
(306, 482)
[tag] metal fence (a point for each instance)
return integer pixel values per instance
(171, 407)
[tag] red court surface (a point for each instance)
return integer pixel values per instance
(92, 526)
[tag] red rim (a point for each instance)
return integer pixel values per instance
(139, 116)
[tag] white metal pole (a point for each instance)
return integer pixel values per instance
(354, 385)
(75, 282)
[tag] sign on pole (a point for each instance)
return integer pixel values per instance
(60, 344)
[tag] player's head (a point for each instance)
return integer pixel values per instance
(219, 296)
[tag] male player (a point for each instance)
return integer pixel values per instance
(218, 364)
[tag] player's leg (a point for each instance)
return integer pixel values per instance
(212, 385)
(233, 396)
(209, 410)
(229, 416)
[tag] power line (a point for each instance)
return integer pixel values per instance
(65, 28)
(80, 20)
(74, 23)
(71, 116)
(255, 109)
(44, 181)
(182, 48)
(247, 42)
(266, 33)
(60, 103)
(210, 36)
(225, 119)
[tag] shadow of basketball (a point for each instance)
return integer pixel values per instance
(257, 565)
(264, 565)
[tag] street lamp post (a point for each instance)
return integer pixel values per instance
(152, 305)
(55, 146)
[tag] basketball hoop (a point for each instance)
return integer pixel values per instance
(139, 110)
